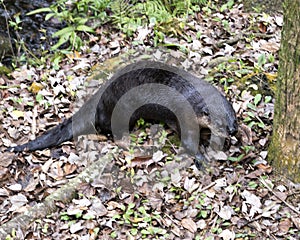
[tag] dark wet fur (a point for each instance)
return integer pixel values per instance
(95, 114)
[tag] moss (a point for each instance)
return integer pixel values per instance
(285, 162)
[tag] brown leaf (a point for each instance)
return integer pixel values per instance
(226, 212)
(245, 134)
(97, 207)
(285, 225)
(31, 186)
(255, 174)
(265, 168)
(6, 159)
(189, 224)
(139, 161)
(76, 227)
(56, 170)
(69, 168)
(190, 185)
(4, 174)
(262, 27)
(176, 230)
(281, 195)
(270, 47)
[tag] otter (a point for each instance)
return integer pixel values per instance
(152, 91)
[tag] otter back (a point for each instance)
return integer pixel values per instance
(149, 90)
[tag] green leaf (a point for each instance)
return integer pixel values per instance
(145, 232)
(254, 86)
(230, 4)
(134, 231)
(66, 30)
(251, 106)
(113, 234)
(236, 159)
(252, 184)
(63, 39)
(84, 28)
(257, 99)
(223, 8)
(39, 10)
(203, 214)
(31, 104)
(261, 125)
(39, 98)
(268, 99)
(49, 15)
(251, 124)
(261, 60)
(65, 217)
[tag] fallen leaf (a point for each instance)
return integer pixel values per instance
(270, 47)
(31, 185)
(284, 225)
(18, 200)
(227, 234)
(296, 221)
(69, 168)
(36, 87)
(158, 156)
(175, 177)
(226, 212)
(15, 187)
(189, 224)
(139, 161)
(190, 185)
(15, 114)
(76, 227)
(4, 174)
(254, 201)
(6, 158)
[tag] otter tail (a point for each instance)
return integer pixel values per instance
(53, 137)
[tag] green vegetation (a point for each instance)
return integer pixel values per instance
(166, 17)
(147, 22)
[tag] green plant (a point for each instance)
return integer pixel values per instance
(227, 5)
(75, 14)
(16, 23)
(252, 118)
(84, 16)
(236, 159)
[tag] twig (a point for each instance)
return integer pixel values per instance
(11, 86)
(208, 187)
(34, 117)
(64, 194)
(276, 195)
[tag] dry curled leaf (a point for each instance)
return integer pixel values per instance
(284, 225)
(189, 224)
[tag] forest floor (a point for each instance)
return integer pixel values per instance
(157, 196)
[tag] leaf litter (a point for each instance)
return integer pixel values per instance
(158, 195)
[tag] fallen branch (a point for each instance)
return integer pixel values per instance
(276, 195)
(64, 194)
